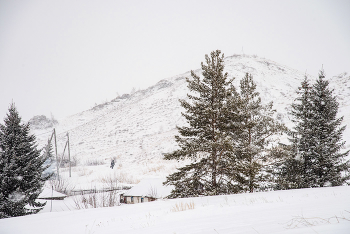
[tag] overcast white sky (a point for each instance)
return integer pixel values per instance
(62, 57)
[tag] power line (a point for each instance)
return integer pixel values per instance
(43, 133)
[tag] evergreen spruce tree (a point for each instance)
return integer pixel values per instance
(257, 131)
(49, 156)
(327, 163)
(294, 170)
(21, 168)
(316, 160)
(206, 140)
(48, 150)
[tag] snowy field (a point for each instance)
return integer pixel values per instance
(317, 210)
(136, 130)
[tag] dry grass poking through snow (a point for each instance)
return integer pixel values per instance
(301, 221)
(83, 171)
(94, 162)
(155, 169)
(112, 180)
(125, 178)
(96, 200)
(61, 185)
(183, 206)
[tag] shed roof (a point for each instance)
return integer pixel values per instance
(150, 188)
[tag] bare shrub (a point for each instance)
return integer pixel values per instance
(301, 221)
(152, 192)
(96, 200)
(74, 161)
(84, 172)
(94, 162)
(124, 178)
(183, 206)
(62, 162)
(61, 185)
(157, 168)
(110, 181)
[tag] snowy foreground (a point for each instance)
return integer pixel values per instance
(318, 210)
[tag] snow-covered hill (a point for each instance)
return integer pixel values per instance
(136, 129)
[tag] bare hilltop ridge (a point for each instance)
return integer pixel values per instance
(137, 129)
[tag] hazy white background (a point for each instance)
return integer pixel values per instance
(62, 57)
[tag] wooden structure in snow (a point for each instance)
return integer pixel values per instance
(50, 194)
(146, 191)
(129, 199)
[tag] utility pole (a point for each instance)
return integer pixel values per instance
(57, 162)
(70, 166)
(51, 197)
(57, 166)
(65, 146)
(58, 169)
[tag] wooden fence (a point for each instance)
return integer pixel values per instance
(90, 191)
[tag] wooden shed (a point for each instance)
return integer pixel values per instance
(146, 191)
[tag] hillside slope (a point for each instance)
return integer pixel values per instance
(138, 128)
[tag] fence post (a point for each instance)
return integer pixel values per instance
(51, 197)
(58, 170)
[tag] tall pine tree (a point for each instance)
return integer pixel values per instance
(254, 140)
(21, 168)
(206, 140)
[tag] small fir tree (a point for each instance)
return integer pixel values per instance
(49, 155)
(206, 139)
(21, 168)
(48, 150)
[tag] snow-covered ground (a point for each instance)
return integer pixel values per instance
(317, 210)
(135, 130)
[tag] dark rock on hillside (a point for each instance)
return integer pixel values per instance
(42, 122)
